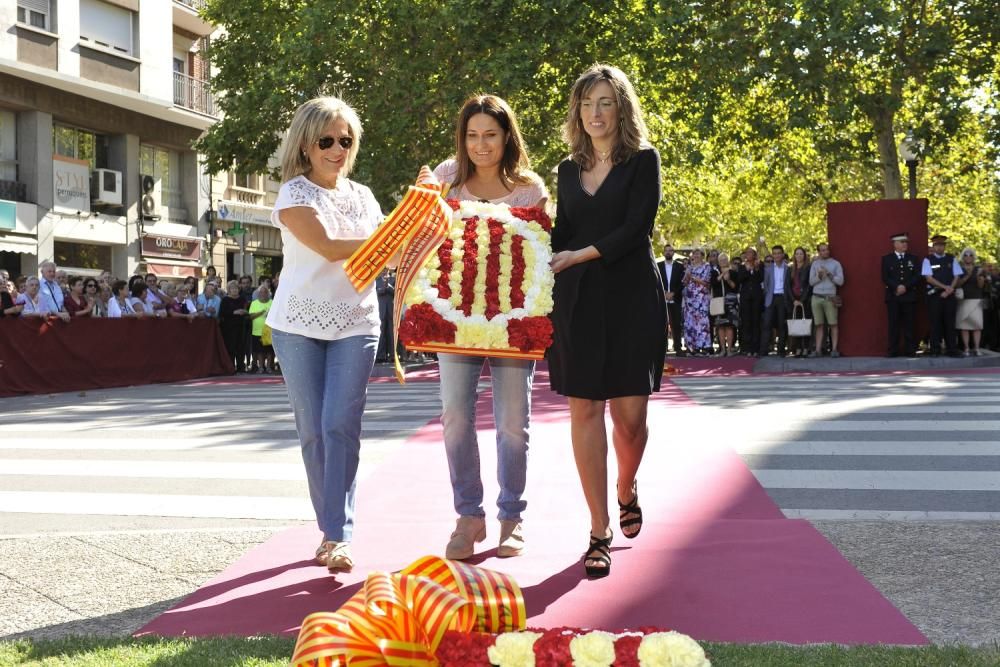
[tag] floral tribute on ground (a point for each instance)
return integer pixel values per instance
(439, 612)
(487, 290)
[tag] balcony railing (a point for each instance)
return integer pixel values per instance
(13, 191)
(193, 94)
(196, 5)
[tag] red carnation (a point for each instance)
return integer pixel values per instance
(453, 203)
(533, 214)
(444, 260)
(422, 324)
(530, 333)
(460, 649)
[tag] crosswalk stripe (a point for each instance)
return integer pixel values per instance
(903, 480)
(901, 449)
(137, 504)
(155, 469)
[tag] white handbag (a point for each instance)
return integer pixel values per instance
(799, 326)
(717, 306)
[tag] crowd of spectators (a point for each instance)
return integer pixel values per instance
(240, 308)
(721, 305)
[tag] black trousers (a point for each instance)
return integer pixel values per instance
(774, 318)
(941, 314)
(901, 320)
(233, 338)
(750, 313)
(676, 317)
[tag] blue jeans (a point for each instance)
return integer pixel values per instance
(511, 412)
(327, 384)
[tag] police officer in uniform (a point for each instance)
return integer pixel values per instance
(942, 273)
(901, 277)
(385, 288)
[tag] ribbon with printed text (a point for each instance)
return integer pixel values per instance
(415, 229)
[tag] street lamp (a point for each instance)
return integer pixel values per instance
(909, 150)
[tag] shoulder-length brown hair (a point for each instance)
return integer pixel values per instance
(310, 119)
(632, 133)
(515, 160)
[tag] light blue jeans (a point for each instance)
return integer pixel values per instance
(327, 384)
(511, 413)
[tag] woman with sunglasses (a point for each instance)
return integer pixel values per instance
(323, 330)
(77, 304)
(490, 165)
(969, 316)
(92, 293)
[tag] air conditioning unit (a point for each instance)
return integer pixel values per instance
(106, 187)
(149, 200)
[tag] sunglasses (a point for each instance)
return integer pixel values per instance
(325, 143)
(90, 285)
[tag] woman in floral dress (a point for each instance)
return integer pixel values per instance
(697, 296)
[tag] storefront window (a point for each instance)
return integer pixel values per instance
(267, 265)
(82, 256)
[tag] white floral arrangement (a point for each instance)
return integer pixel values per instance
(597, 649)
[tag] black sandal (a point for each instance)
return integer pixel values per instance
(600, 551)
(633, 512)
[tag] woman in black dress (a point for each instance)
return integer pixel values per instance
(609, 315)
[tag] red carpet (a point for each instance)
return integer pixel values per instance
(716, 559)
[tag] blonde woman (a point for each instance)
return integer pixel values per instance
(969, 317)
(323, 330)
(609, 316)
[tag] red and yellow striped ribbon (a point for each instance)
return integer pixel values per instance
(400, 618)
(415, 228)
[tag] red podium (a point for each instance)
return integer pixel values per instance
(859, 236)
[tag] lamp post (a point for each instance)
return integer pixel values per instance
(909, 150)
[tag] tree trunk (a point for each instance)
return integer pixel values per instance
(892, 183)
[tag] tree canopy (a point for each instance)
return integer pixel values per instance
(763, 110)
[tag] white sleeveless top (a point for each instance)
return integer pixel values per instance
(521, 195)
(315, 298)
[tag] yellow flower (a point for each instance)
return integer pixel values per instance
(415, 294)
(481, 335)
(594, 649)
(514, 649)
(671, 649)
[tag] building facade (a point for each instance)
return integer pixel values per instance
(100, 104)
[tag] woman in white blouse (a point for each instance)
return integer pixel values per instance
(324, 332)
(490, 164)
(119, 305)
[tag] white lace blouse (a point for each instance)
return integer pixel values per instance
(315, 298)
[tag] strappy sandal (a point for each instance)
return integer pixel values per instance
(630, 514)
(600, 551)
(339, 558)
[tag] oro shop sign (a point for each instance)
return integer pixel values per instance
(174, 247)
(71, 184)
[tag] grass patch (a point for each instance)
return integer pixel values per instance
(276, 651)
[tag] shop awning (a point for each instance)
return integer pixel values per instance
(22, 244)
(166, 269)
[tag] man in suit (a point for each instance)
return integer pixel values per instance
(942, 272)
(385, 289)
(750, 277)
(671, 273)
(777, 302)
(901, 277)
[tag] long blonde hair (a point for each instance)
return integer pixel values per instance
(632, 132)
(310, 119)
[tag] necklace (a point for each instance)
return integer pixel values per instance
(602, 156)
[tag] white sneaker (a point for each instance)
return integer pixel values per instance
(511, 539)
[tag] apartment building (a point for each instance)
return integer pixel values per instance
(100, 103)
